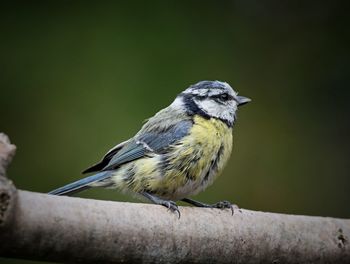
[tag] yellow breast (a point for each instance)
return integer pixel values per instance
(194, 163)
(186, 168)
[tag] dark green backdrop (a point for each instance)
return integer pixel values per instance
(77, 78)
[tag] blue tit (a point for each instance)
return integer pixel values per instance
(177, 153)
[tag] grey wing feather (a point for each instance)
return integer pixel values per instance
(130, 152)
(159, 141)
(106, 159)
(115, 149)
(147, 142)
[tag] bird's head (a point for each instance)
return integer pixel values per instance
(211, 99)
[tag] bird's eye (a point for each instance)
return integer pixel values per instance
(224, 97)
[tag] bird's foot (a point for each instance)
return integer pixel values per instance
(171, 205)
(225, 205)
(219, 205)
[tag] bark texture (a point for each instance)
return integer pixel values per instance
(8, 193)
(7, 151)
(66, 229)
(73, 230)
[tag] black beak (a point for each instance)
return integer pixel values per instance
(241, 100)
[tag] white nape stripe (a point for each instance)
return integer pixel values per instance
(177, 103)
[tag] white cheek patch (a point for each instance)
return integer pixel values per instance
(212, 108)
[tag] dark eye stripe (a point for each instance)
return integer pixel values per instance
(223, 97)
(217, 97)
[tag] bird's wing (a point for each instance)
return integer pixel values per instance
(105, 160)
(147, 142)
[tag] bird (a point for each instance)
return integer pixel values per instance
(176, 154)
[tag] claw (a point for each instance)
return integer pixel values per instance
(172, 206)
(220, 205)
(226, 205)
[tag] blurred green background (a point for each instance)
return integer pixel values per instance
(79, 77)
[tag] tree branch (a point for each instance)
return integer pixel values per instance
(69, 229)
(7, 151)
(65, 229)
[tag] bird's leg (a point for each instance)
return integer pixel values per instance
(220, 205)
(171, 205)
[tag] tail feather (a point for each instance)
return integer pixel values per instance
(81, 185)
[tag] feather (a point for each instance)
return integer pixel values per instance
(149, 142)
(80, 185)
(106, 159)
